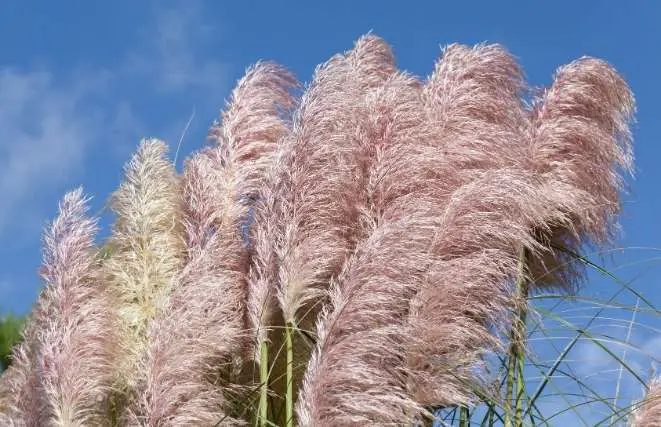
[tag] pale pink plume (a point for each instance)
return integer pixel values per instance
(308, 219)
(580, 144)
(256, 118)
(648, 411)
(146, 254)
(70, 341)
(22, 402)
(322, 172)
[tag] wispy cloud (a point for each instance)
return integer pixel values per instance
(172, 53)
(43, 138)
(49, 124)
(61, 126)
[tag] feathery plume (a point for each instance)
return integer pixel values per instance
(648, 412)
(321, 185)
(76, 327)
(22, 402)
(473, 99)
(307, 221)
(252, 126)
(62, 373)
(146, 251)
(580, 142)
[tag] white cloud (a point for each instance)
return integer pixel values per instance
(170, 54)
(49, 124)
(43, 138)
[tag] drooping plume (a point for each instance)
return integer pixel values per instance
(66, 358)
(146, 251)
(580, 144)
(648, 411)
(203, 333)
(474, 101)
(322, 175)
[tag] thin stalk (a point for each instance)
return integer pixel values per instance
(516, 362)
(521, 360)
(464, 417)
(511, 373)
(263, 383)
(624, 356)
(289, 399)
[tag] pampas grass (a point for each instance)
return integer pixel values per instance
(146, 255)
(62, 373)
(648, 412)
(580, 143)
(397, 229)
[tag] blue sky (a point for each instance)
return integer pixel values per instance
(81, 83)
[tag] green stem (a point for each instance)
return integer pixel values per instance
(464, 417)
(516, 361)
(289, 402)
(263, 383)
(521, 356)
(511, 373)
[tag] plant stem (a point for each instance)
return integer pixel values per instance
(521, 357)
(289, 399)
(263, 383)
(463, 417)
(516, 361)
(511, 372)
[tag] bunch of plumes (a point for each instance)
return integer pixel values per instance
(443, 188)
(397, 207)
(201, 339)
(648, 412)
(63, 370)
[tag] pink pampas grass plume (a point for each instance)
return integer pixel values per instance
(648, 411)
(580, 144)
(76, 325)
(146, 251)
(252, 126)
(62, 373)
(308, 219)
(321, 184)
(486, 212)
(252, 130)
(22, 402)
